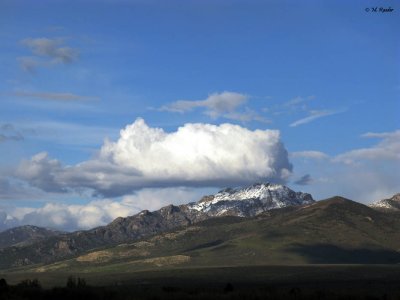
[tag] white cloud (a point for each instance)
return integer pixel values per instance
(387, 149)
(199, 152)
(365, 174)
(96, 213)
(363, 183)
(73, 217)
(314, 114)
(194, 155)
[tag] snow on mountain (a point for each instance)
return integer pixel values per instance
(392, 204)
(251, 200)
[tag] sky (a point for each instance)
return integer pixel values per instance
(111, 107)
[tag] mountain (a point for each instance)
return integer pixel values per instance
(331, 231)
(25, 235)
(250, 201)
(245, 202)
(391, 204)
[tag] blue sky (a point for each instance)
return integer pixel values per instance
(324, 75)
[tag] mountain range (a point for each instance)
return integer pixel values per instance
(260, 224)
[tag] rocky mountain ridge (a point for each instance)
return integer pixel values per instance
(332, 231)
(245, 202)
(25, 235)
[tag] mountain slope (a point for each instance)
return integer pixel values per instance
(246, 202)
(25, 235)
(391, 204)
(336, 230)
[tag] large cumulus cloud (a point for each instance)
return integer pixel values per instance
(194, 155)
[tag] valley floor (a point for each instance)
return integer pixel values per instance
(261, 282)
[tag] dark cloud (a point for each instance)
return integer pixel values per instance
(42, 172)
(304, 180)
(11, 189)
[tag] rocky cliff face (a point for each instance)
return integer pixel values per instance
(243, 202)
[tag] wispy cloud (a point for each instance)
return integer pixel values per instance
(218, 105)
(55, 28)
(246, 116)
(68, 134)
(28, 63)
(46, 52)
(52, 48)
(362, 174)
(302, 105)
(298, 102)
(9, 133)
(65, 97)
(318, 155)
(387, 149)
(314, 115)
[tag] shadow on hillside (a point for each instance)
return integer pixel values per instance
(205, 245)
(331, 254)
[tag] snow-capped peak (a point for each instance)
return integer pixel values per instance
(255, 191)
(256, 198)
(387, 204)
